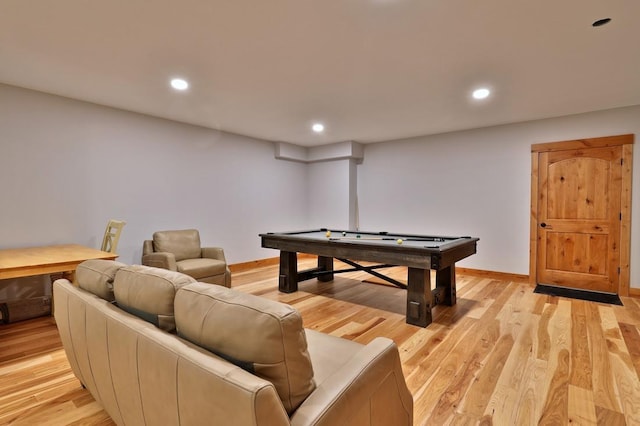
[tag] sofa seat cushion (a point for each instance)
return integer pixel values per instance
(260, 335)
(184, 244)
(201, 268)
(96, 276)
(329, 353)
(149, 293)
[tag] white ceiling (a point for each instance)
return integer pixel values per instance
(370, 70)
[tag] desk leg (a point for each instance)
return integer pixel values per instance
(288, 282)
(446, 278)
(419, 297)
(325, 264)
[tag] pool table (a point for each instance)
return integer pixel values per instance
(420, 253)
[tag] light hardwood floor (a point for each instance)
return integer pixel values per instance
(503, 355)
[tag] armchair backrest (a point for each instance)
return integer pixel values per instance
(184, 244)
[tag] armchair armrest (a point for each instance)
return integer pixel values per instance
(213, 253)
(369, 389)
(160, 260)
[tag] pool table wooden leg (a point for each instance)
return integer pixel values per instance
(446, 278)
(325, 264)
(419, 297)
(288, 282)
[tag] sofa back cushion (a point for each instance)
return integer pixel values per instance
(260, 335)
(184, 244)
(96, 276)
(148, 293)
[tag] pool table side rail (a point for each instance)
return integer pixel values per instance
(338, 232)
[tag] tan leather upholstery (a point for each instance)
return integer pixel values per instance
(365, 387)
(143, 375)
(97, 275)
(183, 244)
(149, 293)
(180, 251)
(260, 335)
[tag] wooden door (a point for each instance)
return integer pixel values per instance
(581, 191)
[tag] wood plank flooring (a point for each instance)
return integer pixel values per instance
(502, 356)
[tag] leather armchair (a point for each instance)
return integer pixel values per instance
(181, 251)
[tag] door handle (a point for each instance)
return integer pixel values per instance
(544, 225)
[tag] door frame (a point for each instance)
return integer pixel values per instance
(626, 141)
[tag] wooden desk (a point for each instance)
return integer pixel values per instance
(24, 262)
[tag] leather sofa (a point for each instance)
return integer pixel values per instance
(180, 251)
(155, 347)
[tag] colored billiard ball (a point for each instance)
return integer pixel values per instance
(399, 241)
(328, 234)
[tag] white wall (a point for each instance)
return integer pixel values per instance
(67, 167)
(332, 181)
(329, 194)
(477, 183)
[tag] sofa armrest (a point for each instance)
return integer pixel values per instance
(160, 260)
(369, 389)
(214, 253)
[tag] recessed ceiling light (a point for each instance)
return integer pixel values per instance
(179, 84)
(318, 127)
(481, 93)
(601, 22)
